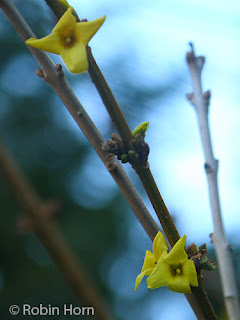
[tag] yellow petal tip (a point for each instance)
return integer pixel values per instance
(30, 40)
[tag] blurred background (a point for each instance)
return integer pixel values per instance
(141, 51)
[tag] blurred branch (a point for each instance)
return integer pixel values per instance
(200, 101)
(43, 226)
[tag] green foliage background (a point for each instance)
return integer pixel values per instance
(57, 160)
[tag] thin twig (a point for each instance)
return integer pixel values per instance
(200, 101)
(50, 237)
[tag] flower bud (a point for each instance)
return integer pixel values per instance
(124, 158)
(141, 129)
(132, 155)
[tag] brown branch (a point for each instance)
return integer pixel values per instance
(45, 229)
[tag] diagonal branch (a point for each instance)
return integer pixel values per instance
(144, 174)
(45, 229)
(58, 82)
(200, 101)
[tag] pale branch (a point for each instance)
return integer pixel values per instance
(44, 227)
(54, 76)
(200, 303)
(198, 299)
(200, 101)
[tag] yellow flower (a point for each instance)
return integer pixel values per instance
(174, 270)
(69, 39)
(159, 246)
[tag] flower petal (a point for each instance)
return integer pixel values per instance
(86, 30)
(49, 43)
(189, 270)
(180, 284)
(66, 22)
(178, 253)
(149, 261)
(140, 277)
(159, 245)
(75, 58)
(161, 275)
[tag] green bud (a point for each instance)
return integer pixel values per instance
(141, 129)
(209, 266)
(124, 158)
(203, 248)
(132, 155)
(115, 137)
(192, 250)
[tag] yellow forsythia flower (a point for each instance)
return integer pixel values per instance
(159, 246)
(69, 39)
(172, 269)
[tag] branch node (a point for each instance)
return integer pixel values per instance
(136, 153)
(208, 168)
(206, 99)
(59, 70)
(26, 224)
(110, 163)
(190, 97)
(79, 114)
(40, 73)
(206, 96)
(211, 235)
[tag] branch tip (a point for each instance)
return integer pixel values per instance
(191, 45)
(193, 59)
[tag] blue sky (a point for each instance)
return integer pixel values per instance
(152, 37)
